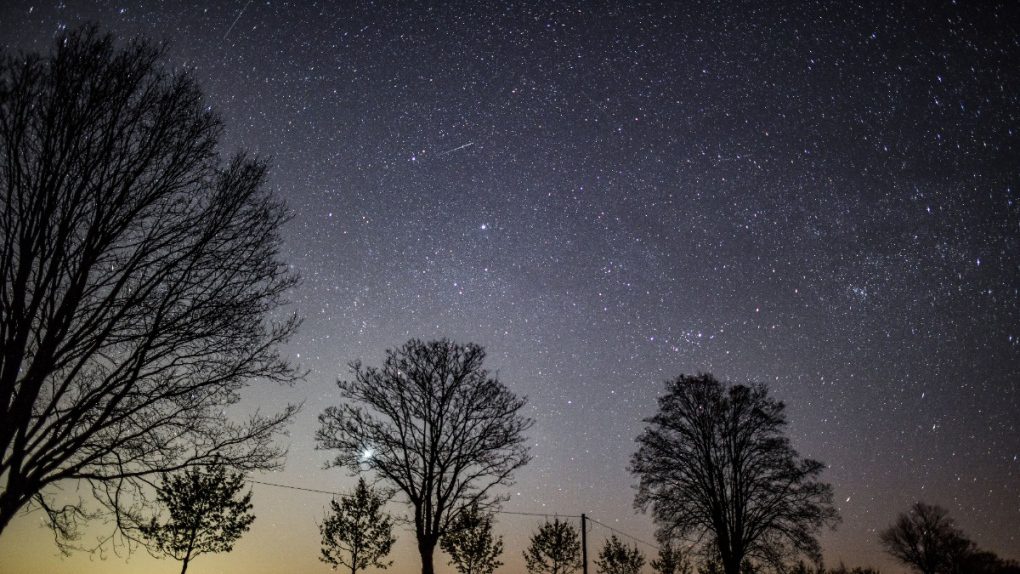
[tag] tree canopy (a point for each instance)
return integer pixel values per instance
(554, 549)
(141, 281)
(470, 543)
(207, 510)
(671, 559)
(619, 558)
(357, 533)
(715, 465)
(925, 538)
(436, 426)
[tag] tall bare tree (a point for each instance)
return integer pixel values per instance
(714, 465)
(432, 423)
(926, 539)
(207, 512)
(140, 273)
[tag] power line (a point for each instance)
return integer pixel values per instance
(542, 514)
(340, 494)
(346, 495)
(511, 512)
(622, 533)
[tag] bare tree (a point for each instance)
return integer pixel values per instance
(205, 514)
(925, 539)
(715, 466)
(470, 543)
(358, 534)
(139, 274)
(436, 426)
(619, 558)
(554, 549)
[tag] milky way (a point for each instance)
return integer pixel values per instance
(822, 197)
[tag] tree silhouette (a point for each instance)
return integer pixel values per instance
(842, 569)
(978, 561)
(435, 425)
(357, 533)
(711, 565)
(672, 559)
(554, 549)
(470, 543)
(140, 272)
(925, 539)
(618, 558)
(714, 461)
(205, 514)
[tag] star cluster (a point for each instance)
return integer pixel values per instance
(820, 196)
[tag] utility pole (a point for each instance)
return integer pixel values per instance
(584, 544)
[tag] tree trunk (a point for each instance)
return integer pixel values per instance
(9, 507)
(7, 512)
(191, 547)
(426, 548)
(731, 565)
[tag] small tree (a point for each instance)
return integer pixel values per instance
(205, 514)
(554, 549)
(672, 559)
(434, 424)
(470, 543)
(619, 558)
(357, 534)
(925, 539)
(714, 463)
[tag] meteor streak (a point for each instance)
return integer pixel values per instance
(469, 144)
(236, 19)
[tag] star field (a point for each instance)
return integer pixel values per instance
(823, 197)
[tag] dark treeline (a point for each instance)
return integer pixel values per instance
(143, 292)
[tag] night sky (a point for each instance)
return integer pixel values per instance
(822, 196)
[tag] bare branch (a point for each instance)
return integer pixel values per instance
(432, 423)
(141, 281)
(715, 467)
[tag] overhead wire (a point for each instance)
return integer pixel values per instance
(622, 533)
(340, 494)
(545, 515)
(347, 495)
(542, 514)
